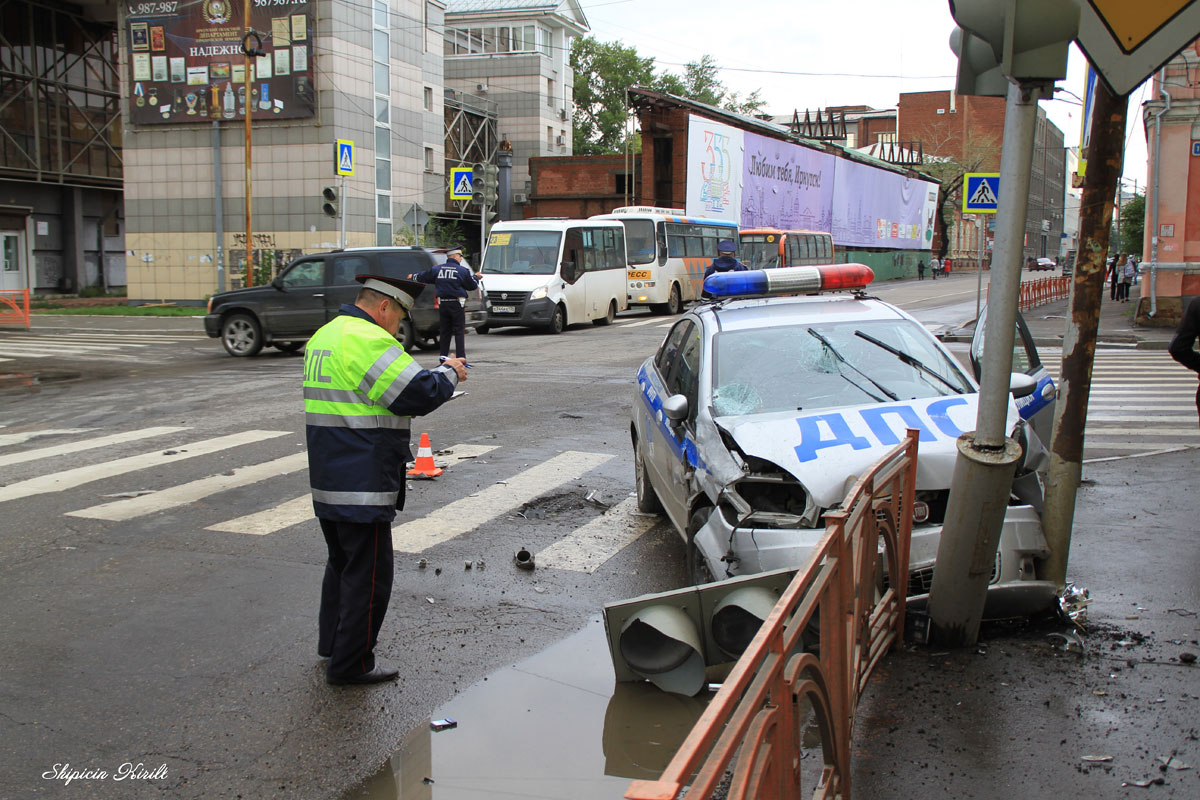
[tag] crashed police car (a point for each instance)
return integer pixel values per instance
(763, 406)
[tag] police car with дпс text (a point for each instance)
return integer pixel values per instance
(761, 409)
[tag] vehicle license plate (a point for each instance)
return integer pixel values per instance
(504, 309)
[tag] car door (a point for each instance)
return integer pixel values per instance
(678, 367)
(342, 288)
(296, 306)
(1038, 407)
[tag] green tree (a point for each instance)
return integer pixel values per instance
(1133, 225)
(603, 71)
(700, 83)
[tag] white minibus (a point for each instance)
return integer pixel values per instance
(668, 253)
(551, 273)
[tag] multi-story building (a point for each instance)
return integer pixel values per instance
(517, 54)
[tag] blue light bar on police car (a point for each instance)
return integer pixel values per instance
(788, 280)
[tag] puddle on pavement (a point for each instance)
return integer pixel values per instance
(554, 725)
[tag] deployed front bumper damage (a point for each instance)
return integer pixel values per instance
(1014, 590)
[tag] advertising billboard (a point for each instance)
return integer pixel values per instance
(786, 185)
(714, 170)
(186, 62)
(873, 207)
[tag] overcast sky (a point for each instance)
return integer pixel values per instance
(854, 52)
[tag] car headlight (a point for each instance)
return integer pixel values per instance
(538, 294)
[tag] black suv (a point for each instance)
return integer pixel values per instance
(308, 293)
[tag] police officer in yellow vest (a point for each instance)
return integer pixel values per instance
(360, 391)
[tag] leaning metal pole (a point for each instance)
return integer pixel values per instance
(1105, 160)
(987, 457)
(249, 278)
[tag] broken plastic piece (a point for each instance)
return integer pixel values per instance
(422, 563)
(468, 564)
(523, 559)
(1144, 783)
(443, 724)
(1073, 603)
(1069, 642)
(1095, 759)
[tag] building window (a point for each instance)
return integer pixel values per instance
(429, 159)
(550, 92)
(624, 183)
(549, 136)
(502, 39)
(885, 137)
(429, 98)
(381, 56)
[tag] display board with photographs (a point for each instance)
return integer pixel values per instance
(186, 61)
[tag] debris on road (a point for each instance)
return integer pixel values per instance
(135, 493)
(443, 724)
(1073, 603)
(1095, 759)
(1069, 642)
(523, 559)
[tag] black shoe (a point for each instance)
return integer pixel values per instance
(377, 675)
(323, 655)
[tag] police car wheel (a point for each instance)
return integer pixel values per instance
(482, 329)
(241, 335)
(647, 498)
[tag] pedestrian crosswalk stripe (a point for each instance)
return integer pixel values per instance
(72, 478)
(9, 439)
(48, 343)
(300, 509)
(184, 493)
(636, 323)
(460, 516)
(85, 444)
(587, 548)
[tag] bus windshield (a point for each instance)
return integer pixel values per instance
(522, 253)
(639, 240)
(757, 252)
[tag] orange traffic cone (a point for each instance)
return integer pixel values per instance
(424, 468)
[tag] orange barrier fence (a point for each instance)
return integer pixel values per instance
(757, 718)
(1041, 291)
(14, 307)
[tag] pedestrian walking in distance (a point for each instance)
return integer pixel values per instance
(935, 266)
(360, 392)
(920, 270)
(451, 282)
(1113, 278)
(1183, 344)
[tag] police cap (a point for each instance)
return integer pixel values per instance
(726, 246)
(403, 291)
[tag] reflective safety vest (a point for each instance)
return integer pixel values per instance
(357, 447)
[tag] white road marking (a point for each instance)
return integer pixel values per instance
(587, 548)
(184, 493)
(1143, 431)
(300, 509)
(9, 439)
(85, 444)
(73, 478)
(641, 322)
(455, 519)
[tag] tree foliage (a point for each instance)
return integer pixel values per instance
(1133, 225)
(604, 70)
(949, 164)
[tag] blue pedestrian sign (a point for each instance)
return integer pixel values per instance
(343, 159)
(462, 183)
(1196, 148)
(981, 192)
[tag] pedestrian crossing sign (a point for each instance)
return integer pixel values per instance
(981, 192)
(462, 183)
(343, 161)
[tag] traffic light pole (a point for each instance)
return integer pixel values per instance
(987, 457)
(342, 214)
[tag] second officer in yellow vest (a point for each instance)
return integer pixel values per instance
(360, 392)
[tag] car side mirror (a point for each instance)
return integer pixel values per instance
(277, 282)
(1021, 385)
(675, 409)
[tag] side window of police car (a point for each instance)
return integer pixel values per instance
(669, 352)
(681, 375)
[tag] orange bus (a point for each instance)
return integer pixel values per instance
(763, 248)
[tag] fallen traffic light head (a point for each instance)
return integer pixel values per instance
(671, 638)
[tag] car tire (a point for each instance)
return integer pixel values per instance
(427, 342)
(558, 322)
(241, 335)
(405, 335)
(698, 571)
(674, 301)
(482, 329)
(609, 317)
(647, 498)
(289, 347)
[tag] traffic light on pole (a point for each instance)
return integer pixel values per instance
(330, 197)
(487, 178)
(671, 638)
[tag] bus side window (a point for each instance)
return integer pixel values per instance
(827, 249)
(793, 250)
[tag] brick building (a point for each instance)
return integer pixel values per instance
(970, 130)
(580, 186)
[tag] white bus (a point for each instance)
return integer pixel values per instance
(668, 253)
(551, 273)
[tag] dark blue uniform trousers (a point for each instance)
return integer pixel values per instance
(452, 321)
(354, 594)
